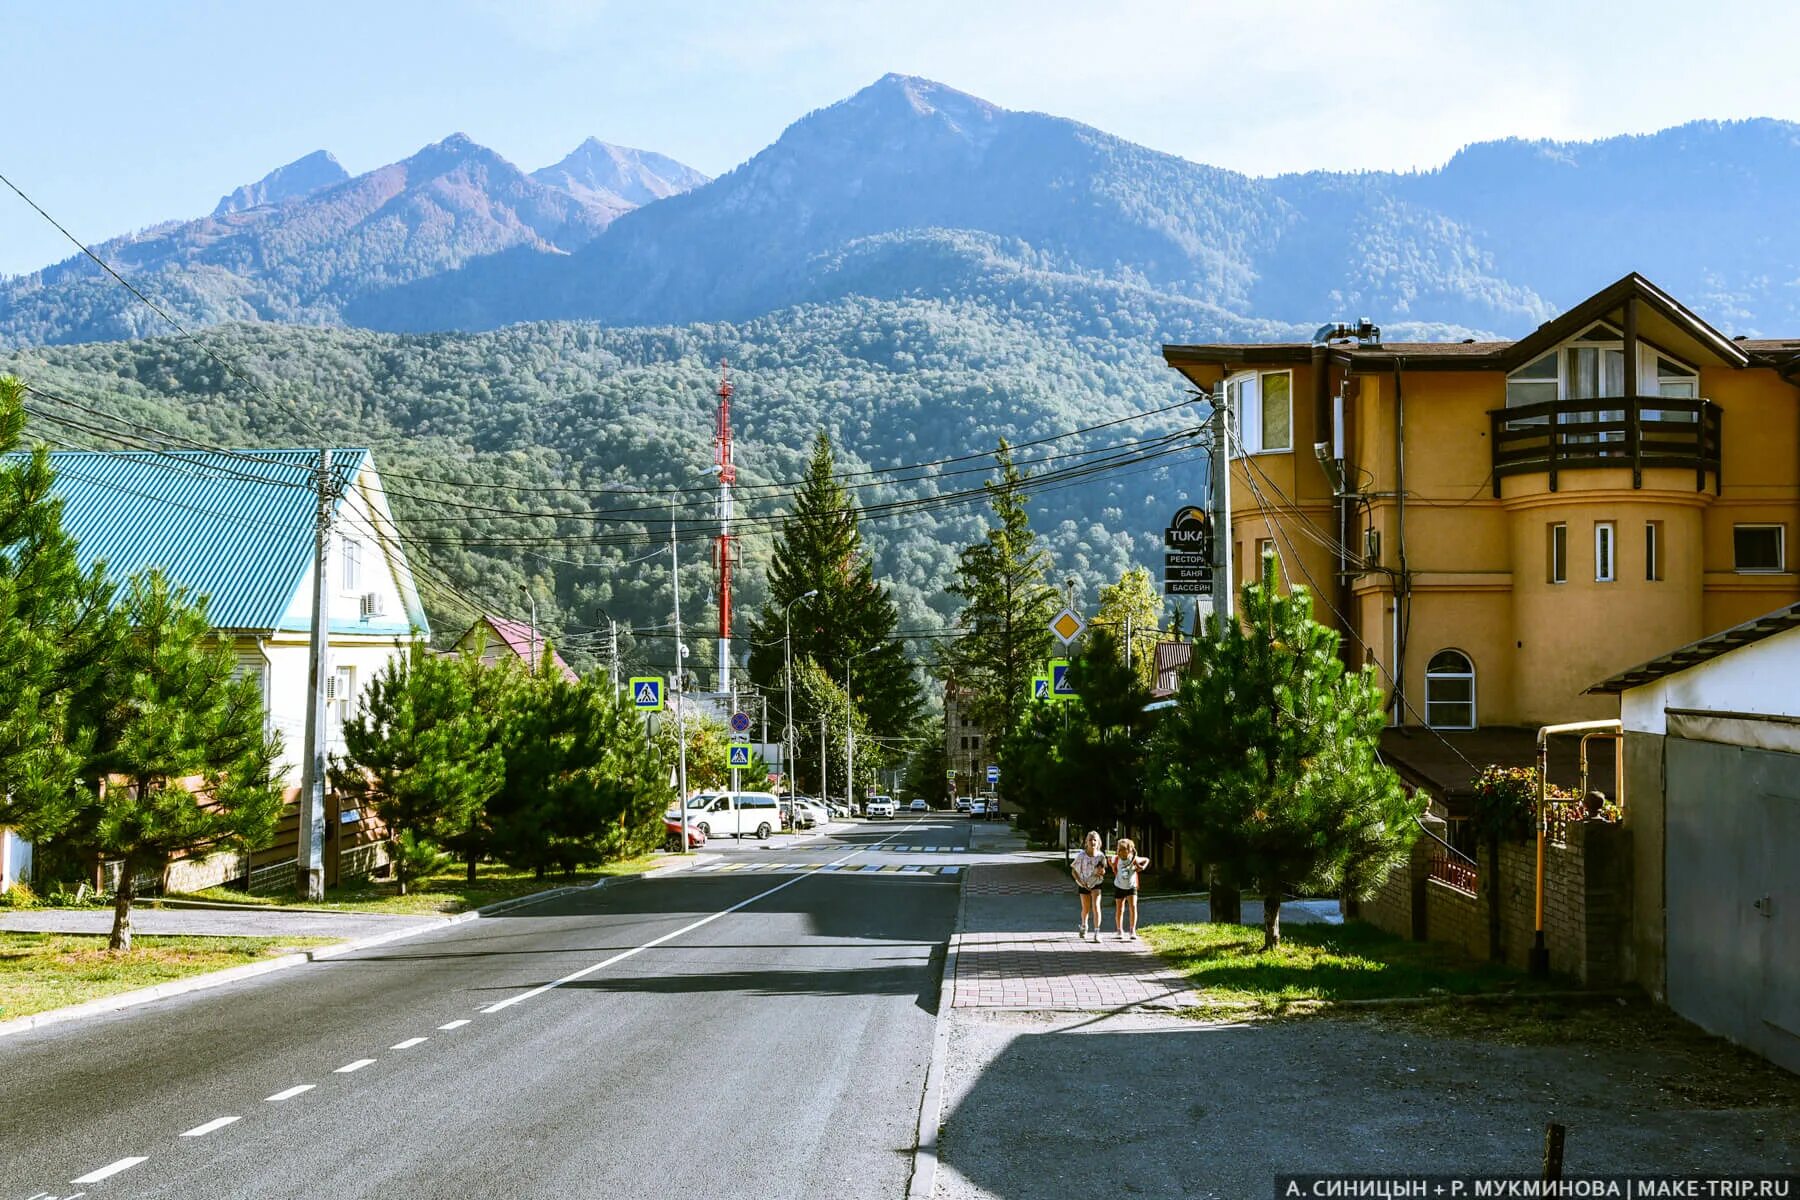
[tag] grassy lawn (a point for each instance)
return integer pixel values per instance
(1320, 964)
(40, 971)
(446, 891)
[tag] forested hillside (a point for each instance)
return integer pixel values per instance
(559, 453)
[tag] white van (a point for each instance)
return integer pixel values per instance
(734, 813)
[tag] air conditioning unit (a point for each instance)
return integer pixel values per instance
(371, 605)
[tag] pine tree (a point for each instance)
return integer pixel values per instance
(173, 714)
(1269, 758)
(55, 623)
(851, 622)
(1004, 625)
(419, 750)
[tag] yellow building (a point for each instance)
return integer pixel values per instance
(1497, 525)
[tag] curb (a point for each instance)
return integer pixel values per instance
(690, 861)
(923, 1183)
(212, 979)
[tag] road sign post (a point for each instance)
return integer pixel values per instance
(1061, 687)
(1067, 625)
(647, 693)
(737, 756)
(1040, 686)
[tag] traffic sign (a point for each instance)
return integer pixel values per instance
(1060, 686)
(1067, 626)
(950, 774)
(740, 722)
(1040, 687)
(738, 756)
(647, 693)
(993, 773)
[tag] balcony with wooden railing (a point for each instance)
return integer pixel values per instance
(1636, 433)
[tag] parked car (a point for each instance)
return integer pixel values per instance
(812, 815)
(918, 806)
(881, 806)
(978, 808)
(672, 834)
(838, 811)
(964, 804)
(734, 813)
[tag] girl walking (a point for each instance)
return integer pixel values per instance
(1089, 870)
(1126, 866)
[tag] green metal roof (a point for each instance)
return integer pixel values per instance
(235, 526)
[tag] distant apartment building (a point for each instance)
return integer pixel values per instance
(1499, 525)
(966, 745)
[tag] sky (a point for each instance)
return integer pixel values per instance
(122, 114)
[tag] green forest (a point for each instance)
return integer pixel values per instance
(559, 456)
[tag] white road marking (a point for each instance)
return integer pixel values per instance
(203, 1130)
(111, 1169)
(688, 928)
(408, 1044)
(289, 1094)
(358, 1065)
(454, 1024)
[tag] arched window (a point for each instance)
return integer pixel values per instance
(1450, 691)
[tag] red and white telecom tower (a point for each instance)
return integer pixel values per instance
(725, 556)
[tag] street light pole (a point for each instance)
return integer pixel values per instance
(526, 588)
(680, 718)
(850, 730)
(787, 642)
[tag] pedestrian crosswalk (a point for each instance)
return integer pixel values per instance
(765, 868)
(920, 849)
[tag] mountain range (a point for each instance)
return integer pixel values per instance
(911, 188)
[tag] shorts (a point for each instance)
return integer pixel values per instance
(1124, 893)
(1087, 891)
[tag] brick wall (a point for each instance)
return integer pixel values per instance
(1587, 903)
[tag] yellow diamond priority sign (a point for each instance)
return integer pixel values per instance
(1067, 626)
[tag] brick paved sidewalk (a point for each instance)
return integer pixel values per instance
(1018, 949)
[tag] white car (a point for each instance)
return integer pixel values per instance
(882, 806)
(964, 804)
(736, 813)
(919, 806)
(978, 808)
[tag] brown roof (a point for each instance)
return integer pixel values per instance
(1170, 656)
(1434, 758)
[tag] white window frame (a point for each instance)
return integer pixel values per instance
(1452, 676)
(1780, 548)
(350, 566)
(1606, 552)
(1650, 375)
(1653, 552)
(1244, 396)
(1559, 570)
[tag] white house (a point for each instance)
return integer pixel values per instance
(238, 527)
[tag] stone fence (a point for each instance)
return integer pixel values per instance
(1587, 901)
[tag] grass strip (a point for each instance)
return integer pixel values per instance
(41, 971)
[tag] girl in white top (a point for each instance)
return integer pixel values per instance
(1125, 867)
(1089, 870)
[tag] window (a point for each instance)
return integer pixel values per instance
(1605, 551)
(1758, 547)
(1559, 553)
(1653, 568)
(352, 558)
(975, 742)
(1533, 383)
(965, 742)
(344, 690)
(1261, 411)
(1450, 691)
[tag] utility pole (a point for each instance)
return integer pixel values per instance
(1224, 603)
(310, 842)
(612, 671)
(736, 782)
(526, 588)
(680, 717)
(824, 779)
(787, 643)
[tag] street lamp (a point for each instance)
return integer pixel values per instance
(850, 731)
(787, 642)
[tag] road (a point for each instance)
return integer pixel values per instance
(760, 1028)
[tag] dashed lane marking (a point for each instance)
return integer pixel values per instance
(358, 1065)
(289, 1093)
(111, 1169)
(408, 1044)
(455, 1024)
(210, 1126)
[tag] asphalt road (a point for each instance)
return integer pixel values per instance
(757, 1032)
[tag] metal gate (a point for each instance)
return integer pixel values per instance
(1733, 898)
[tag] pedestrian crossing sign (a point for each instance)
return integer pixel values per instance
(1040, 687)
(738, 756)
(647, 693)
(1061, 688)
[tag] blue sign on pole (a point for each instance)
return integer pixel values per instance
(1061, 688)
(647, 693)
(740, 756)
(740, 722)
(993, 773)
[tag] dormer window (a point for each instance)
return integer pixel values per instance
(1592, 367)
